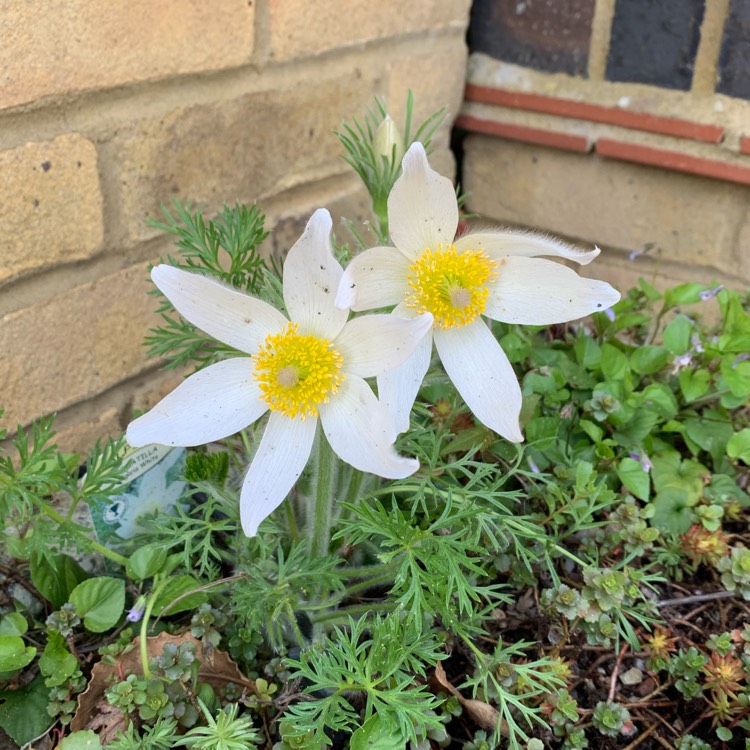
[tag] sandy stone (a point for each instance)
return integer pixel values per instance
(50, 204)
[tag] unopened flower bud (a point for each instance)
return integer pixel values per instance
(386, 139)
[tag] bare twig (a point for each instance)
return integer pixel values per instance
(696, 599)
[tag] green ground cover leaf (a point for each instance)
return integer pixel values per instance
(100, 602)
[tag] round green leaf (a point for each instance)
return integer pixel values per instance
(739, 445)
(23, 712)
(83, 740)
(175, 589)
(100, 602)
(57, 663)
(146, 562)
(14, 653)
(55, 576)
(635, 479)
(14, 623)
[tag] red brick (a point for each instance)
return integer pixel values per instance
(596, 113)
(524, 133)
(679, 162)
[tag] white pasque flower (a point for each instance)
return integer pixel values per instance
(495, 273)
(313, 366)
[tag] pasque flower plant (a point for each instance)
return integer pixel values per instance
(457, 280)
(303, 370)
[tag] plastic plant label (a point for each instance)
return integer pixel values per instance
(155, 475)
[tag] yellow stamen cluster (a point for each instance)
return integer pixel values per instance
(296, 373)
(450, 285)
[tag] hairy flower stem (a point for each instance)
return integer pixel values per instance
(380, 210)
(144, 626)
(354, 611)
(324, 484)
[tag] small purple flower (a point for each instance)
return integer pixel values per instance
(610, 313)
(697, 345)
(532, 465)
(643, 460)
(710, 293)
(740, 358)
(136, 611)
(682, 361)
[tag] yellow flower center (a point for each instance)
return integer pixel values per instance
(451, 285)
(296, 373)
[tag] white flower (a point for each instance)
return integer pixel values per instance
(492, 273)
(313, 366)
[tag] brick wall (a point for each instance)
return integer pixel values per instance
(109, 109)
(624, 123)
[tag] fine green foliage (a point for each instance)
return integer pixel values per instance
(223, 732)
(373, 663)
(225, 248)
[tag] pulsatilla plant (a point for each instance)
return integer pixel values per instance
(416, 496)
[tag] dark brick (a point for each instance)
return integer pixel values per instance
(548, 35)
(734, 62)
(655, 41)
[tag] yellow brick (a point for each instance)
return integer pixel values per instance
(300, 28)
(76, 345)
(614, 204)
(435, 71)
(81, 435)
(50, 204)
(72, 45)
(159, 384)
(243, 150)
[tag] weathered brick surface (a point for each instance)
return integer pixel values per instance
(159, 384)
(243, 149)
(82, 435)
(73, 45)
(75, 345)
(614, 204)
(50, 204)
(435, 71)
(308, 28)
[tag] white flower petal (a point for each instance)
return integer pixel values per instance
(422, 207)
(226, 314)
(277, 464)
(398, 387)
(311, 280)
(361, 432)
(504, 242)
(483, 376)
(211, 404)
(372, 344)
(375, 278)
(532, 291)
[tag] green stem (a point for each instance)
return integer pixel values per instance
(354, 487)
(357, 609)
(368, 570)
(100, 548)
(144, 626)
(291, 521)
(324, 479)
